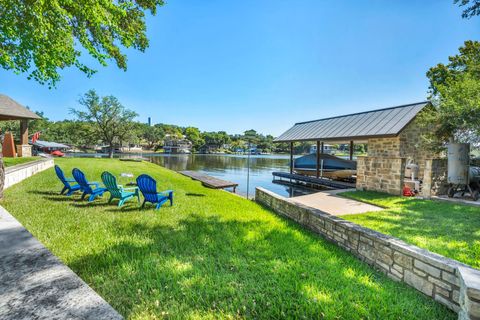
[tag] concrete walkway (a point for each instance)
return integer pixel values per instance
(34, 284)
(330, 202)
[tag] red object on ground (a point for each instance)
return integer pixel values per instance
(57, 153)
(407, 192)
(8, 148)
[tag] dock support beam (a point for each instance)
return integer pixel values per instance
(291, 157)
(351, 150)
(318, 158)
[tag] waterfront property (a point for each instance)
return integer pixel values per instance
(393, 138)
(211, 255)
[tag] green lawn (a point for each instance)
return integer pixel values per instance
(9, 162)
(212, 255)
(452, 230)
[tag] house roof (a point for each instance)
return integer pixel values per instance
(12, 110)
(48, 144)
(357, 126)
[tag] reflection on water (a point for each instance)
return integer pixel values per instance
(232, 168)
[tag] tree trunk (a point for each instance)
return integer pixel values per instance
(2, 177)
(110, 151)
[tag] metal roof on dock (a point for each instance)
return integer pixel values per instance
(369, 124)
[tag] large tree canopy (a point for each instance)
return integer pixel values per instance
(455, 94)
(42, 37)
(112, 121)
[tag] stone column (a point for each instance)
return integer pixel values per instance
(24, 149)
(469, 293)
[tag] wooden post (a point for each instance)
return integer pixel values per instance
(318, 158)
(291, 157)
(351, 150)
(323, 148)
(24, 132)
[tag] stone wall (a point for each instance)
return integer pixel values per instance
(432, 274)
(383, 174)
(384, 168)
(435, 177)
(21, 172)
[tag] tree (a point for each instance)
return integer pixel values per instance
(195, 137)
(42, 37)
(111, 119)
(455, 95)
(472, 7)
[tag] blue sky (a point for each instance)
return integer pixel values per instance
(236, 65)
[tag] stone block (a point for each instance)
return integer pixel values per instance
(431, 270)
(396, 273)
(403, 260)
(397, 267)
(440, 283)
(443, 292)
(385, 258)
(418, 283)
(366, 251)
(24, 150)
(419, 272)
(366, 240)
(451, 305)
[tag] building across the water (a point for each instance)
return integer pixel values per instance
(173, 144)
(393, 137)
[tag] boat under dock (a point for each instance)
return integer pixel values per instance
(312, 181)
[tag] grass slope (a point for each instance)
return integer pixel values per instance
(212, 255)
(9, 162)
(452, 230)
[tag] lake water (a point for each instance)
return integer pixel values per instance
(230, 167)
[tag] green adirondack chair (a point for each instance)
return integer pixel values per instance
(118, 191)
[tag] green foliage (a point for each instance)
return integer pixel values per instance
(195, 136)
(472, 7)
(10, 162)
(449, 229)
(212, 255)
(455, 94)
(111, 120)
(41, 37)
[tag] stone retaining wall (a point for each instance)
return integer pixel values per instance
(434, 275)
(21, 172)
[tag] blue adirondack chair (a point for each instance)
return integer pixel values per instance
(148, 187)
(118, 191)
(91, 188)
(66, 182)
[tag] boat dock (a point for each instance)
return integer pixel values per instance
(312, 181)
(210, 181)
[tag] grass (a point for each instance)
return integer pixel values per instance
(212, 255)
(452, 230)
(9, 162)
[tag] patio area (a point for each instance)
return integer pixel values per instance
(330, 202)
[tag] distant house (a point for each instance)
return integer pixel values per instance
(327, 148)
(209, 148)
(172, 144)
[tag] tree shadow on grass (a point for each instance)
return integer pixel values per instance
(190, 194)
(210, 266)
(45, 193)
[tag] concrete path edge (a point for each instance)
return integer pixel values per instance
(34, 284)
